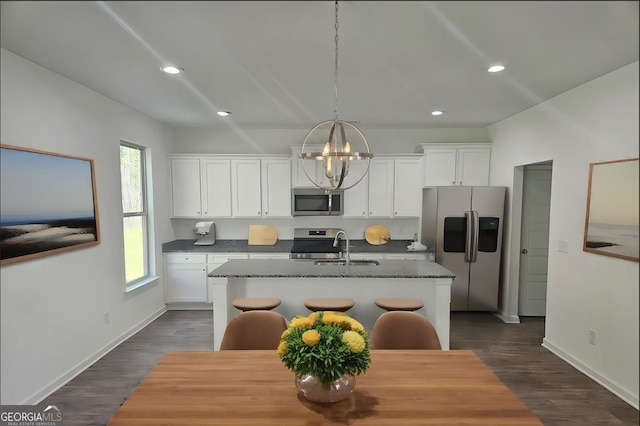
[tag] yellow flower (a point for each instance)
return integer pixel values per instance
(311, 337)
(284, 333)
(282, 348)
(337, 318)
(354, 341)
(300, 322)
(355, 325)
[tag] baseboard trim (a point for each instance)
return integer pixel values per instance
(621, 393)
(65, 378)
(508, 319)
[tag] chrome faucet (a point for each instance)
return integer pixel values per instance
(346, 249)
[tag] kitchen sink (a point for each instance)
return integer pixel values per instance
(339, 262)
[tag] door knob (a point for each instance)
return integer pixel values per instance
(524, 251)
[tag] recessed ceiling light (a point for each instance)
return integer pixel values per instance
(496, 68)
(171, 70)
(437, 112)
(224, 113)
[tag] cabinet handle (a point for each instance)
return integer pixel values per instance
(454, 182)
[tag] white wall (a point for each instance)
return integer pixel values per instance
(53, 306)
(595, 122)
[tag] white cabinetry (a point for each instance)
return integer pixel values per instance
(186, 277)
(185, 186)
(200, 187)
(276, 188)
(454, 164)
(407, 188)
(212, 186)
(246, 188)
(298, 177)
(356, 199)
(216, 187)
(392, 188)
(381, 188)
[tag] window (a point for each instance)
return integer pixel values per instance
(134, 211)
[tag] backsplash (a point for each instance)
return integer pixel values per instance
(238, 229)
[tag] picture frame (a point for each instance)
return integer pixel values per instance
(611, 223)
(48, 203)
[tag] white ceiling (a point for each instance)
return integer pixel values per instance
(271, 63)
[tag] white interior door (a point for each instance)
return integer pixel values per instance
(534, 240)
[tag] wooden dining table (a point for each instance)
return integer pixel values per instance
(401, 387)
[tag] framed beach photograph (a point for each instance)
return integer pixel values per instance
(611, 225)
(48, 204)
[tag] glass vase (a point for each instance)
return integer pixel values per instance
(311, 388)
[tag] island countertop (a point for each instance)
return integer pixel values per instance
(295, 268)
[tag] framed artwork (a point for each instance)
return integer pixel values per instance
(611, 225)
(48, 204)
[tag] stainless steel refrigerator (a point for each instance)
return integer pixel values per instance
(464, 226)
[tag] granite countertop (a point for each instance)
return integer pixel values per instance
(287, 268)
(281, 246)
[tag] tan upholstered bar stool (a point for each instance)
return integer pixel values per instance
(390, 304)
(331, 304)
(256, 303)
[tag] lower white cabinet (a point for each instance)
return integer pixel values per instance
(186, 277)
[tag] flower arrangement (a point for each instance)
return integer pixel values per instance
(326, 345)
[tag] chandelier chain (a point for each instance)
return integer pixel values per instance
(336, 66)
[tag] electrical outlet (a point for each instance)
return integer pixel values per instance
(106, 317)
(592, 337)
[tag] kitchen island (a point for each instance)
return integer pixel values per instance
(294, 281)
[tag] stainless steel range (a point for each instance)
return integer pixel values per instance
(314, 243)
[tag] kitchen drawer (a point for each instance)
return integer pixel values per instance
(186, 258)
(223, 257)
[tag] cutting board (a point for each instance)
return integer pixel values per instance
(377, 234)
(262, 235)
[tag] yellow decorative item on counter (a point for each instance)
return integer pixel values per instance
(325, 350)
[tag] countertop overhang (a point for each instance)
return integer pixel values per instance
(292, 268)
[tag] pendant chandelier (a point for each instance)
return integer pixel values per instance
(338, 152)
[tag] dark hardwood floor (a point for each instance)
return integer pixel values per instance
(555, 391)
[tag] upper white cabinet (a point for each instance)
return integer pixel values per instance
(298, 177)
(200, 187)
(212, 186)
(185, 187)
(407, 187)
(246, 189)
(216, 188)
(455, 164)
(356, 199)
(381, 187)
(276, 188)
(392, 188)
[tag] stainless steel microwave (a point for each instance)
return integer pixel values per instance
(316, 202)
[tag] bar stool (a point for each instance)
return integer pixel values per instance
(338, 305)
(256, 303)
(398, 304)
